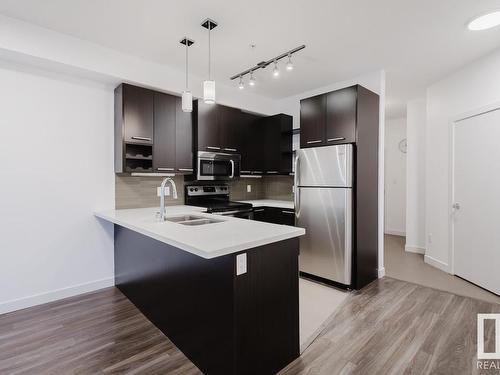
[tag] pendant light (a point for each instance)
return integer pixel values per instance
(187, 96)
(209, 85)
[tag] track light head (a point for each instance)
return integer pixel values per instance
(241, 85)
(276, 71)
(251, 81)
(289, 64)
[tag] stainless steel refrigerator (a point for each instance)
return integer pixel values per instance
(324, 207)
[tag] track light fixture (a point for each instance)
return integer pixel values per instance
(264, 64)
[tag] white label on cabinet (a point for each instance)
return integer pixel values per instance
(241, 264)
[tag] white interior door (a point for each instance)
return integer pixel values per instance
(476, 195)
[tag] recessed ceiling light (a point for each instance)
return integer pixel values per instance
(486, 21)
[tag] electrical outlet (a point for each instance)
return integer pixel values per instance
(167, 191)
(249, 188)
(241, 264)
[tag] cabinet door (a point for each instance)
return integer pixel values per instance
(287, 217)
(259, 214)
(251, 147)
(286, 144)
(208, 127)
(312, 121)
(183, 138)
(137, 114)
(230, 129)
(164, 133)
(271, 144)
(341, 116)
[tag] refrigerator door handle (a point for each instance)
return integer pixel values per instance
(296, 200)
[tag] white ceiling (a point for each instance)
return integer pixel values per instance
(416, 41)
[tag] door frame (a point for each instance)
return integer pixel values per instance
(451, 183)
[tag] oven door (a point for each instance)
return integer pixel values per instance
(215, 166)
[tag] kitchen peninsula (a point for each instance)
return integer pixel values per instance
(223, 289)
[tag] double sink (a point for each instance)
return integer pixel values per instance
(192, 220)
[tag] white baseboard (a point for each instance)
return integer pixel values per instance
(415, 249)
(436, 263)
(381, 272)
(395, 232)
(54, 295)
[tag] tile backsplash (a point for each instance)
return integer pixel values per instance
(137, 192)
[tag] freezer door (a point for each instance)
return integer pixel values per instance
(326, 248)
(325, 166)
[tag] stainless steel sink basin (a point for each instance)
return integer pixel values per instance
(192, 220)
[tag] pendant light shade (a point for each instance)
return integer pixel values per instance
(187, 97)
(187, 101)
(209, 85)
(209, 92)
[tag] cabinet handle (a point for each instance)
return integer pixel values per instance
(272, 172)
(288, 212)
(248, 172)
(257, 172)
(185, 169)
(230, 149)
(141, 138)
(165, 169)
(316, 141)
(213, 148)
(335, 139)
(259, 210)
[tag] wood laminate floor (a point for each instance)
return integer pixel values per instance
(389, 327)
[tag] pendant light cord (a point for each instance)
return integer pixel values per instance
(187, 64)
(209, 53)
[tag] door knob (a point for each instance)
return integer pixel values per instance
(456, 206)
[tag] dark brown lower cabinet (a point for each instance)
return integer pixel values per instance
(275, 215)
(224, 323)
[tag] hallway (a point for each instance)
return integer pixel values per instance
(411, 267)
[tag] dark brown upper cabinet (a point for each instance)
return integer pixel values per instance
(173, 136)
(184, 138)
(164, 148)
(230, 129)
(329, 119)
(208, 129)
(312, 121)
(341, 116)
(152, 134)
(137, 114)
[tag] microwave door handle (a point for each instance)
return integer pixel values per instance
(232, 168)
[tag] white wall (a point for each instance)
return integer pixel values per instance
(415, 175)
(395, 177)
(374, 81)
(473, 87)
(57, 168)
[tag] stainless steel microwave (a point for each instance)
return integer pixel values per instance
(213, 166)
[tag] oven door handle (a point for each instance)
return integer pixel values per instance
(227, 213)
(232, 168)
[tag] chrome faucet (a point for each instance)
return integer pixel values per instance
(162, 196)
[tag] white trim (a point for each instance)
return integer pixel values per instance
(395, 233)
(381, 272)
(451, 178)
(54, 295)
(436, 263)
(415, 249)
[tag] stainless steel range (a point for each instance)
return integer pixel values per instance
(216, 199)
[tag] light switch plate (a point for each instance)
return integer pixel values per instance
(249, 188)
(241, 264)
(167, 191)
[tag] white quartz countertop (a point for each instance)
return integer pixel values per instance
(229, 236)
(271, 203)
